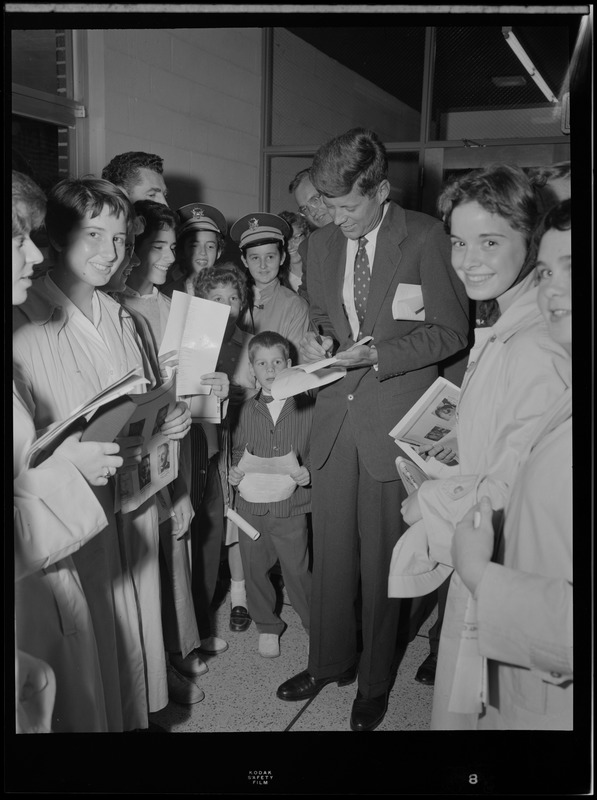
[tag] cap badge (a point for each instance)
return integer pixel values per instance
(198, 213)
(253, 224)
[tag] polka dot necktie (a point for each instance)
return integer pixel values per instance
(362, 278)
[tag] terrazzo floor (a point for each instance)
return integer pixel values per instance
(240, 687)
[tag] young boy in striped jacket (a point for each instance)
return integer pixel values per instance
(270, 428)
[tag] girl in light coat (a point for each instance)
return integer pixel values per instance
(55, 513)
(70, 342)
(524, 602)
(510, 382)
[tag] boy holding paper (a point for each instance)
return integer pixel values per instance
(268, 429)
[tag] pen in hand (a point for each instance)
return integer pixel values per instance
(318, 339)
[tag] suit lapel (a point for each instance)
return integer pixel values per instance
(385, 264)
(288, 407)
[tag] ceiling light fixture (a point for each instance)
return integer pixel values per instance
(527, 63)
(506, 81)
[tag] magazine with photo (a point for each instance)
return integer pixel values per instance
(432, 420)
(101, 418)
(159, 456)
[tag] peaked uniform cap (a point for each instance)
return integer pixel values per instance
(201, 217)
(259, 228)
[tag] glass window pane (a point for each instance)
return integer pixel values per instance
(403, 174)
(321, 88)
(40, 150)
(282, 171)
(481, 89)
(39, 60)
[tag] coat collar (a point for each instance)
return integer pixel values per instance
(261, 406)
(43, 306)
(520, 315)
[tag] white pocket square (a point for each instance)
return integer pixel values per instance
(408, 302)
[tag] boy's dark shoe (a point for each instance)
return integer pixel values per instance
(240, 619)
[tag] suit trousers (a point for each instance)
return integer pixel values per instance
(207, 537)
(356, 523)
(286, 539)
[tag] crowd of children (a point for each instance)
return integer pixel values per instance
(113, 608)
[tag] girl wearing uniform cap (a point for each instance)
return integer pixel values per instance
(273, 307)
(200, 242)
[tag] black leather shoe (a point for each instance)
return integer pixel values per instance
(304, 685)
(240, 619)
(426, 672)
(367, 714)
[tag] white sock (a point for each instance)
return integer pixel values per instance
(238, 594)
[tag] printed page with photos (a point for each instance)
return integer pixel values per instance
(160, 455)
(431, 421)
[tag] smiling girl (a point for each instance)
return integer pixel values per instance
(70, 342)
(272, 307)
(526, 597)
(510, 381)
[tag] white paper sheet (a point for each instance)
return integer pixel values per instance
(303, 377)
(205, 408)
(295, 380)
(267, 480)
(195, 330)
(408, 302)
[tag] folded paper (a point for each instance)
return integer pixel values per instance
(195, 330)
(408, 302)
(267, 480)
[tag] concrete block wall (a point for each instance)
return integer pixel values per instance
(315, 98)
(193, 96)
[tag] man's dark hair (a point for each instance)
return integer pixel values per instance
(357, 158)
(123, 170)
(298, 179)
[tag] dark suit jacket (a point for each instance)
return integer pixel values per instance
(411, 248)
(303, 250)
(292, 431)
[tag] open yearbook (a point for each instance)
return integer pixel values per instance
(432, 420)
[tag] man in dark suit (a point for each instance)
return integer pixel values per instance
(384, 272)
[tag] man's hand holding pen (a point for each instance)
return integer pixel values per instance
(315, 347)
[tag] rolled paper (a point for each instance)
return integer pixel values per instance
(242, 524)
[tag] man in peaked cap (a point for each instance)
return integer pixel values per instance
(200, 241)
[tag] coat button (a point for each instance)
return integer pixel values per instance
(351, 396)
